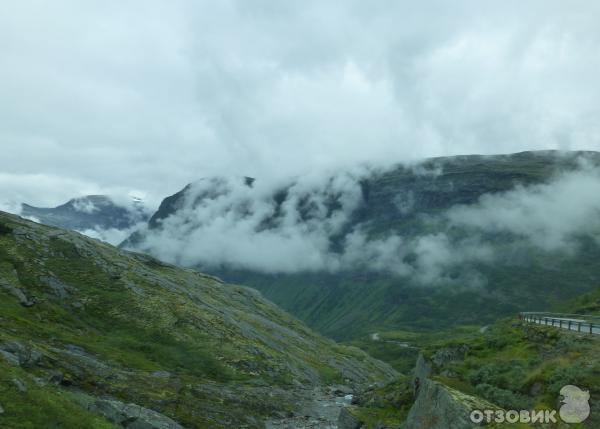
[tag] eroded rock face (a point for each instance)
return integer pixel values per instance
(348, 421)
(20, 354)
(422, 368)
(131, 416)
(24, 300)
(438, 406)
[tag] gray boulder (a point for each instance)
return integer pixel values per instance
(347, 420)
(131, 416)
(19, 354)
(23, 299)
(438, 406)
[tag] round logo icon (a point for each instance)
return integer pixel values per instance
(575, 408)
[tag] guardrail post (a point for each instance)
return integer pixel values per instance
(569, 327)
(591, 324)
(578, 326)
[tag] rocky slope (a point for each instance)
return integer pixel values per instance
(91, 336)
(401, 253)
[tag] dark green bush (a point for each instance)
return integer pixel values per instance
(503, 397)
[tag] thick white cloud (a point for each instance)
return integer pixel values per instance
(111, 235)
(150, 95)
(223, 223)
(229, 226)
(551, 216)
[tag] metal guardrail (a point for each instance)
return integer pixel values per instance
(573, 322)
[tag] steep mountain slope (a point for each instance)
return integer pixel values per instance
(91, 336)
(449, 241)
(89, 212)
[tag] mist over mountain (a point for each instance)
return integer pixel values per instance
(97, 216)
(369, 246)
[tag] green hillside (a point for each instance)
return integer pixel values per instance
(86, 329)
(510, 364)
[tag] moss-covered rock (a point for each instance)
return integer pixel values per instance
(438, 406)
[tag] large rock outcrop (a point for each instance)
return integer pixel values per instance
(438, 406)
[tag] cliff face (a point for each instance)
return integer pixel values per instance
(91, 336)
(438, 406)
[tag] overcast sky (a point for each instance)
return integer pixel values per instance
(146, 96)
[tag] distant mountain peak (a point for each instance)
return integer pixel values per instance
(89, 212)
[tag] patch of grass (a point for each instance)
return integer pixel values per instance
(41, 406)
(329, 375)
(388, 405)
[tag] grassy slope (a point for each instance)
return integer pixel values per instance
(509, 363)
(120, 325)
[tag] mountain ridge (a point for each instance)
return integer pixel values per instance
(88, 212)
(407, 202)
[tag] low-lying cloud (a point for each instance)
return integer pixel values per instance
(225, 223)
(245, 227)
(550, 216)
(112, 236)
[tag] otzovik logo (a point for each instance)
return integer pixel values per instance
(575, 408)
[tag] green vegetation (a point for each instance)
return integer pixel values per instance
(386, 405)
(31, 406)
(510, 363)
(588, 303)
(516, 365)
(78, 316)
